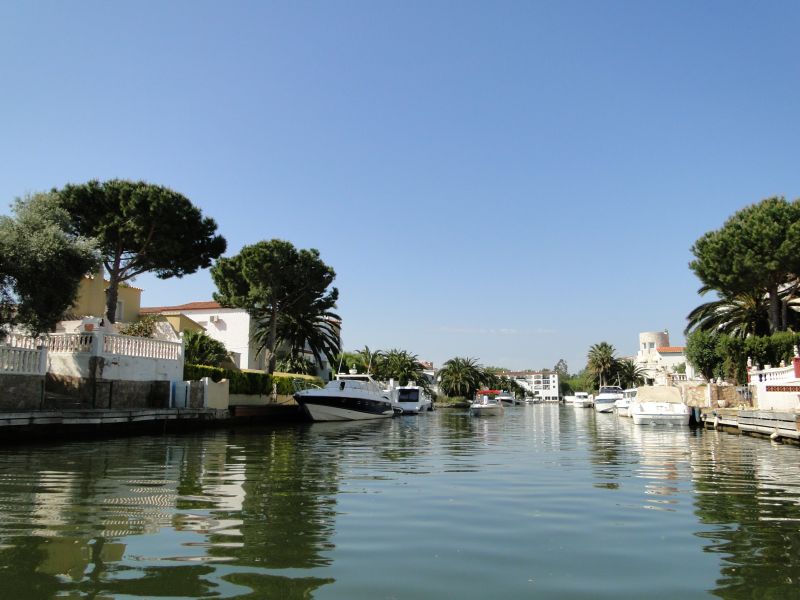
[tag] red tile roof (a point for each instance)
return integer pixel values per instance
(209, 305)
(668, 349)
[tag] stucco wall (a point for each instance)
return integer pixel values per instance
(217, 393)
(126, 368)
(780, 396)
(233, 328)
(20, 392)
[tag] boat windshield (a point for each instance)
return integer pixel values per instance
(610, 390)
(408, 396)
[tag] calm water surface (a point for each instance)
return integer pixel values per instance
(545, 501)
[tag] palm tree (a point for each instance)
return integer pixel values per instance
(602, 362)
(630, 374)
(739, 315)
(308, 329)
(399, 365)
(460, 377)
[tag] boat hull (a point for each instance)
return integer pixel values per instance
(658, 413)
(604, 406)
(337, 408)
(484, 410)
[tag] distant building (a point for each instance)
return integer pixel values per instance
(660, 360)
(539, 384)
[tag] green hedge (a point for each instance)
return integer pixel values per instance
(247, 382)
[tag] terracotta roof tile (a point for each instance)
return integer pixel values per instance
(209, 305)
(668, 349)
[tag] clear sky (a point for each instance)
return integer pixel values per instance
(509, 181)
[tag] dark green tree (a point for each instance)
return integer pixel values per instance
(42, 263)
(271, 279)
(756, 251)
(701, 352)
(201, 349)
(561, 368)
(141, 228)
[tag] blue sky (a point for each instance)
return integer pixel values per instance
(510, 181)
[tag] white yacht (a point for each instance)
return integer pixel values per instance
(659, 405)
(506, 399)
(606, 397)
(410, 399)
(621, 405)
(581, 400)
(350, 397)
(486, 403)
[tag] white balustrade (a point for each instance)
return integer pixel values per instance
(772, 374)
(23, 361)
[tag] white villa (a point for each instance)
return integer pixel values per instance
(660, 360)
(232, 326)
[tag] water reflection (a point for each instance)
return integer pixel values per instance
(559, 497)
(140, 516)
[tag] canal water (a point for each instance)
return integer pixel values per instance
(545, 501)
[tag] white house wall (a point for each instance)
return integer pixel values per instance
(232, 327)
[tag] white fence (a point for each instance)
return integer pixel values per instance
(23, 361)
(776, 388)
(124, 357)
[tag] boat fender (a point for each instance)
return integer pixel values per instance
(775, 435)
(716, 421)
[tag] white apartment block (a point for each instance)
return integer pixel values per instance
(539, 384)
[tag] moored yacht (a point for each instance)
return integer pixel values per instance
(410, 399)
(659, 405)
(349, 397)
(506, 399)
(581, 400)
(606, 397)
(622, 405)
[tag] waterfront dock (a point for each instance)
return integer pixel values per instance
(777, 425)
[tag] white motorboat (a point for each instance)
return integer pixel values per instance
(350, 397)
(506, 399)
(659, 405)
(622, 405)
(606, 397)
(410, 399)
(486, 403)
(581, 400)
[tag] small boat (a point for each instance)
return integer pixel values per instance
(621, 405)
(606, 397)
(349, 397)
(486, 403)
(659, 405)
(581, 400)
(410, 399)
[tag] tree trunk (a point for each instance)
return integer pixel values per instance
(774, 309)
(112, 293)
(272, 340)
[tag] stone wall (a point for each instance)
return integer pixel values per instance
(21, 392)
(720, 395)
(62, 391)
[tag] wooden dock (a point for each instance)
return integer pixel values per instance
(773, 424)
